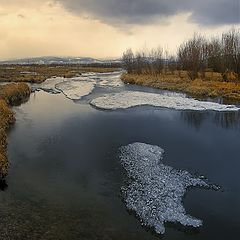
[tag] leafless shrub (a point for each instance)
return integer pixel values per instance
(196, 56)
(128, 60)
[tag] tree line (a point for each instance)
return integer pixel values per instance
(196, 56)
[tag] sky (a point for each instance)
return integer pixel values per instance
(106, 28)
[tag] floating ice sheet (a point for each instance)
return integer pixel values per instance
(129, 99)
(155, 190)
(75, 89)
(111, 79)
(79, 86)
(49, 85)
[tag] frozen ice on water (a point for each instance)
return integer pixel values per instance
(49, 84)
(111, 79)
(79, 86)
(75, 90)
(155, 190)
(127, 99)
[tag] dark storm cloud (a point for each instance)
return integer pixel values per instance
(204, 12)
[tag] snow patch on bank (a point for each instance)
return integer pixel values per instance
(129, 99)
(155, 190)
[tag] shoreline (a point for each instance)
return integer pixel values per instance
(199, 88)
(10, 95)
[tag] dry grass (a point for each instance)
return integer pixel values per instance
(10, 94)
(14, 93)
(211, 86)
(39, 73)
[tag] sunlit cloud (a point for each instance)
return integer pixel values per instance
(43, 28)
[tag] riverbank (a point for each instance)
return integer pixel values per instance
(201, 88)
(39, 73)
(10, 95)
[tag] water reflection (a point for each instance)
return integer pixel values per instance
(194, 118)
(226, 120)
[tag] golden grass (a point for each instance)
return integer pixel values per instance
(14, 93)
(39, 73)
(6, 119)
(211, 86)
(10, 94)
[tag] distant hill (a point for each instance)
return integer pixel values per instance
(59, 60)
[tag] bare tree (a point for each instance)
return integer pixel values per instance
(231, 50)
(195, 56)
(191, 56)
(128, 61)
(215, 55)
(157, 60)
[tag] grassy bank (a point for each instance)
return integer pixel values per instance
(210, 86)
(10, 94)
(39, 73)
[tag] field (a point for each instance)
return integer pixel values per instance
(39, 73)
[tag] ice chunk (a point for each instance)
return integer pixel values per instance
(49, 85)
(79, 86)
(155, 191)
(129, 99)
(111, 80)
(75, 89)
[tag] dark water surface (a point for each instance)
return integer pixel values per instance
(65, 176)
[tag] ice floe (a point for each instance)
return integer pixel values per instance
(112, 79)
(155, 191)
(49, 85)
(127, 99)
(75, 89)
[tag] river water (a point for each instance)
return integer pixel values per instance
(65, 177)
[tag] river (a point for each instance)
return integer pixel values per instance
(66, 178)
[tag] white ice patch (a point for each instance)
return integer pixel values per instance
(112, 79)
(75, 90)
(155, 190)
(49, 84)
(79, 86)
(129, 99)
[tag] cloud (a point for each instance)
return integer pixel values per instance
(78, 28)
(204, 12)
